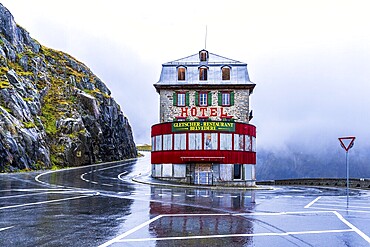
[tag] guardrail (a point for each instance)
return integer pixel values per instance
(357, 183)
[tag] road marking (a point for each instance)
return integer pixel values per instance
(237, 235)
(342, 210)
(176, 195)
(6, 228)
(311, 203)
(116, 239)
(358, 231)
(126, 162)
(190, 195)
(44, 202)
(344, 205)
(352, 228)
(45, 192)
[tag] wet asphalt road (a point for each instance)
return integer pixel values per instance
(101, 206)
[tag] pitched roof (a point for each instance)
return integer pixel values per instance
(194, 59)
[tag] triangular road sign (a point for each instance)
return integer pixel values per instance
(347, 142)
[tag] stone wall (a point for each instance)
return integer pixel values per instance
(358, 183)
(239, 111)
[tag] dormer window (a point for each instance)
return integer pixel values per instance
(203, 71)
(225, 73)
(181, 71)
(203, 56)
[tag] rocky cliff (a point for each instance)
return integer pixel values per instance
(53, 110)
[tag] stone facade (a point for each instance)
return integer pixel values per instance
(239, 111)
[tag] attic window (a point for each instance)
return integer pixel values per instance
(203, 73)
(225, 73)
(181, 74)
(203, 55)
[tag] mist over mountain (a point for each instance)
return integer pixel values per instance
(298, 161)
(53, 109)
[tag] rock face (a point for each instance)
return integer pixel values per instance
(53, 109)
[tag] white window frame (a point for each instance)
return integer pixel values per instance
(167, 142)
(195, 141)
(225, 98)
(203, 99)
(226, 141)
(181, 99)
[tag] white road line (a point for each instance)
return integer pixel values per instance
(45, 192)
(27, 190)
(125, 162)
(116, 239)
(44, 202)
(237, 235)
(311, 203)
(339, 216)
(6, 228)
(358, 231)
(190, 195)
(343, 205)
(342, 210)
(175, 195)
(121, 174)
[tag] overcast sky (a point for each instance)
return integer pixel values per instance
(310, 59)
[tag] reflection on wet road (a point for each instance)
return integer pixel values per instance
(100, 206)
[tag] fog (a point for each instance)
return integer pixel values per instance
(310, 59)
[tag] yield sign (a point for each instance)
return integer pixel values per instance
(347, 142)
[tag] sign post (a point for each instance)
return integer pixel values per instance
(347, 143)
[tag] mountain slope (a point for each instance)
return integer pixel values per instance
(53, 109)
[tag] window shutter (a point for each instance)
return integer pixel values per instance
(187, 98)
(219, 99)
(197, 98)
(209, 98)
(232, 98)
(174, 97)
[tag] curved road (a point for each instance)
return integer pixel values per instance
(99, 205)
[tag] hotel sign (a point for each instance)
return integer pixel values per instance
(201, 126)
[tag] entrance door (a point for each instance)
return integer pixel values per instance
(203, 174)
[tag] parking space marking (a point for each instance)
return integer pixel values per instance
(311, 203)
(236, 235)
(116, 239)
(341, 205)
(358, 231)
(351, 228)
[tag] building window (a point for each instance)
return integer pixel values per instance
(158, 143)
(237, 171)
(153, 143)
(226, 98)
(180, 98)
(167, 142)
(181, 74)
(180, 142)
(203, 73)
(203, 56)
(226, 141)
(195, 141)
(239, 142)
(210, 141)
(248, 143)
(225, 73)
(254, 145)
(203, 98)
